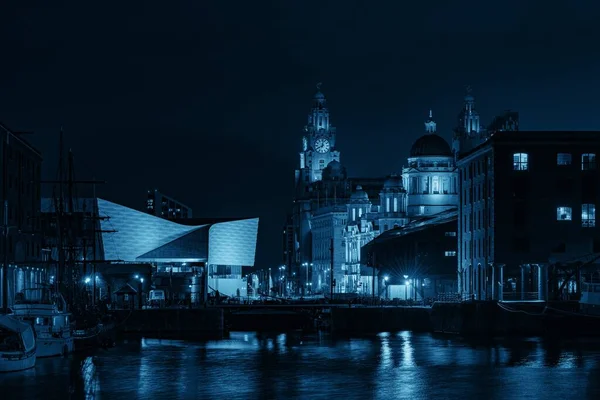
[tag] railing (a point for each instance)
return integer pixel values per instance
(452, 297)
(518, 296)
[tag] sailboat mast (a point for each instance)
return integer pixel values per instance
(5, 227)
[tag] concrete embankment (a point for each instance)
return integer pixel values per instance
(175, 323)
(380, 319)
(490, 318)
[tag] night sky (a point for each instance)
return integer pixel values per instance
(206, 100)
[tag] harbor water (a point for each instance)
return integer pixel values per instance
(290, 366)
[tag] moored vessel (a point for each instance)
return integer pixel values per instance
(17, 345)
(47, 313)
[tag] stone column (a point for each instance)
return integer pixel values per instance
(492, 284)
(522, 283)
(499, 282)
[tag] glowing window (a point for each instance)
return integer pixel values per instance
(435, 184)
(563, 159)
(564, 214)
(395, 204)
(450, 253)
(451, 234)
(520, 162)
(588, 161)
(387, 205)
(588, 215)
(421, 209)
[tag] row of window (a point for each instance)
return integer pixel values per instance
(588, 215)
(588, 161)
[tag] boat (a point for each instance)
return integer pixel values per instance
(39, 307)
(17, 345)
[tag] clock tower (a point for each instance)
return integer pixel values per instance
(318, 142)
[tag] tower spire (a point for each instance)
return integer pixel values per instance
(430, 124)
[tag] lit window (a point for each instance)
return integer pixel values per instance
(450, 253)
(387, 205)
(563, 159)
(588, 215)
(588, 161)
(520, 162)
(452, 234)
(395, 204)
(564, 214)
(421, 209)
(435, 184)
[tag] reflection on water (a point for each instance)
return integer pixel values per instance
(251, 366)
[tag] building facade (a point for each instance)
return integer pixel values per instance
(430, 177)
(163, 206)
(416, 261)
(527, 207)
(20, 211)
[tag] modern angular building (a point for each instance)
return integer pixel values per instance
(220, 248)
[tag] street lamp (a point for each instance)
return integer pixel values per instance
(406, 284)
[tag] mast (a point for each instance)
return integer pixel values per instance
(5, 227)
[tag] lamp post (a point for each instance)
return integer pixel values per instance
(406, 283)
(385, 279)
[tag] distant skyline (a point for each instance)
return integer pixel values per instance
(206, 101)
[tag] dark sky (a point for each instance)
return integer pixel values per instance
(206, 99)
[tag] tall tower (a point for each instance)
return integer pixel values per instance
(318, 142)
(468, 129)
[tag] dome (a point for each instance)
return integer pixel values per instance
(430, 145)
(334, 170)
(359, 194)
(393, 182)
(319, 96)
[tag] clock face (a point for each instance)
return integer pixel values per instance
(322, 145)
(304, 144)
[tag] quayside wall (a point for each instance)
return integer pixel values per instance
(171, 323)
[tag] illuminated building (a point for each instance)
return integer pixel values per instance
(173, 248)
(430, 177)
(160, 205)
(21, 172)
(527, 199)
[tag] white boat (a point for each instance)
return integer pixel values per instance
(590, 299)
(52, 325)
(17, 345)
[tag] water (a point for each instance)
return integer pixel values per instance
(249, 366)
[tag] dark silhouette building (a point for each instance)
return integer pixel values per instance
(20, 209)
(527, 208)
(163, 206)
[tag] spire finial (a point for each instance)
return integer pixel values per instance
(469, 89)
(430, 114)
(319, 85)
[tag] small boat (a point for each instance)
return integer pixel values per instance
(40, 308)
(17, 345)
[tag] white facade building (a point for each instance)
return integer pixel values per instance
(430, 178)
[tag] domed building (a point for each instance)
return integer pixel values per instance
(431, 178)
(392, 204)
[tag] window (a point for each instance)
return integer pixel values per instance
(563, 159)
(450, 253)
(564, 214)
(395, 204)
(387, 204)
(520, 162)
(421, 210)
(588, 215)
(452, 234)
(588, 161)
(435, 184)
